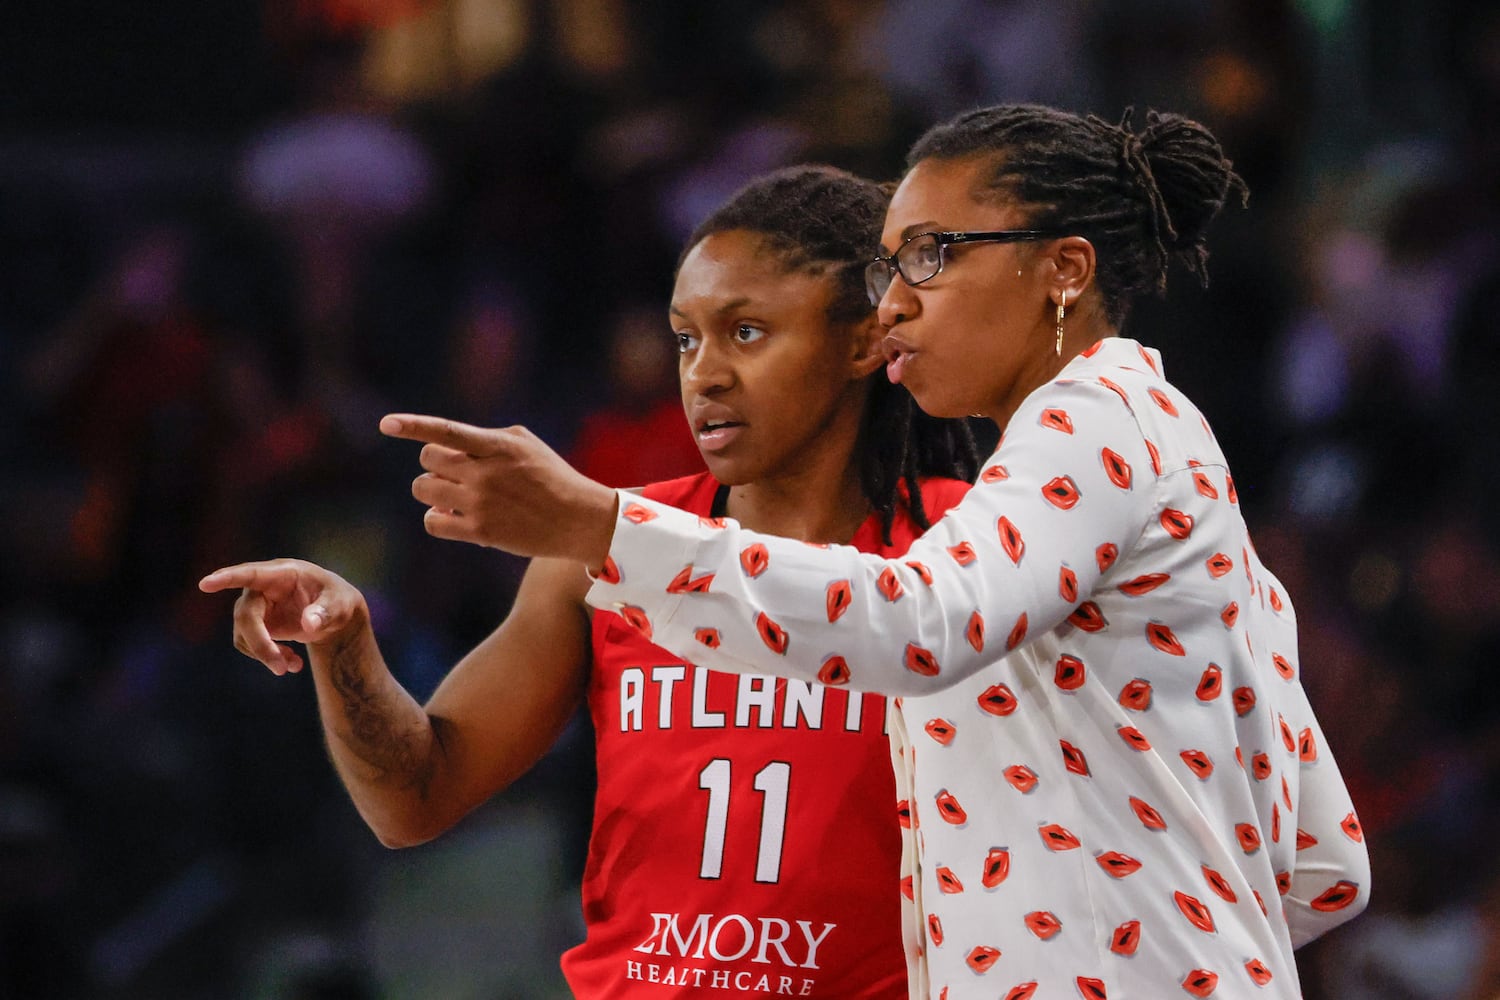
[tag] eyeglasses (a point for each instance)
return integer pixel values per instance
(920, 258)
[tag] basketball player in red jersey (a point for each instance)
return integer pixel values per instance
(745, 837)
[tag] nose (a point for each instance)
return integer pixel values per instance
(706, 369)
(898, 304)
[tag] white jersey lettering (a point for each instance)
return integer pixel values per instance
(748, 701)
(632, 694)
(665, 677)
(733, 936)
(768, 941)
(813, 942)
(698, 932)
(803, 698)
(747, 932)
(756, 691)
(658, 924)
(702, 717)
(852, 713)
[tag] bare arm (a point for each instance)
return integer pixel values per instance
(414, 772)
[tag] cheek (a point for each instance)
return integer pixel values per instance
(950, 378)
(980, 340)
(813, 374)
(802, 401)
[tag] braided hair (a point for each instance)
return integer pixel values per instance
(1144, 199)
(823, 221)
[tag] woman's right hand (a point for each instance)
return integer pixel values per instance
(287, 600)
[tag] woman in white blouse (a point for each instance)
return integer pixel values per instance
(1112, 783)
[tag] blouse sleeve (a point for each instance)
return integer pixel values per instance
(1071, 481)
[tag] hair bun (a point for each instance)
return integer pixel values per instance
(1187, 176)
(1144, 198)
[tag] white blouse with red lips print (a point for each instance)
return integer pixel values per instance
(1114, 786)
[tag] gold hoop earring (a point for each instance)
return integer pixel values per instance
(1062, 303)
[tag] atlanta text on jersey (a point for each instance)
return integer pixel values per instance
(747, 701)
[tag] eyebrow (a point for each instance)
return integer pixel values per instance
(914, 229)
(730, 306)
(919, 227)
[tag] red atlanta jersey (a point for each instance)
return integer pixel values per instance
(745, 838)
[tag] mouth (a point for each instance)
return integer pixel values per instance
(715, 435)
(897, 356)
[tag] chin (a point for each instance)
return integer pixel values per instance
(727, 471)
(935, 405)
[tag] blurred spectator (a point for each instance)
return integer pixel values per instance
(1419, 942)
(636, 432)
(332, 181)
(948, 56)
(493, 374)
(450, 597)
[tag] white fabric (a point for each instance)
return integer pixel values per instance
(1100, 700)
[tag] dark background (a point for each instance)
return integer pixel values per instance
(232, 234)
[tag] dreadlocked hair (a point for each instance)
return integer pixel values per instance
(1144, 199)
(824, 221)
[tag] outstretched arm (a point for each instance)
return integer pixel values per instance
(413, 772)
(1072, 478)
(1010, 562)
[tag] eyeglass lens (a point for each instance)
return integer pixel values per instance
(917, 260)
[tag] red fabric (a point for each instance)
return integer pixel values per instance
(624, 449)
(654, 921)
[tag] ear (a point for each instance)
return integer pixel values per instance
(1072, 259)
(867, 347)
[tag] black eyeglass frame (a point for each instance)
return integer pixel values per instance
(892, 266)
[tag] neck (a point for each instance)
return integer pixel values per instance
(819, 500)
(1083, 329)
(809, 508)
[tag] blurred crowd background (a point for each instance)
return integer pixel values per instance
(234, 233)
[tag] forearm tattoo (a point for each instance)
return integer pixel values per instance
(397, 752)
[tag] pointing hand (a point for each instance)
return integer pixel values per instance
(504, 487)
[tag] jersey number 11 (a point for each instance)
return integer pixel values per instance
(771, 781)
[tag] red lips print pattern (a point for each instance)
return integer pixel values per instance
(1046, 620)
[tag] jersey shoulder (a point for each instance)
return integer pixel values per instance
(694, 494)
(940, 493)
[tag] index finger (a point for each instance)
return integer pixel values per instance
(453, 434)
(254, 576)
